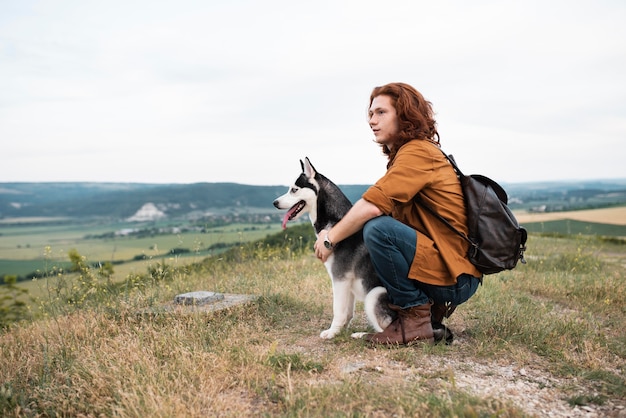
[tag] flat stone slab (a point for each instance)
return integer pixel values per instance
(213, 303)
(198, 298)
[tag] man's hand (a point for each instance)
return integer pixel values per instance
(353, 221)
(321, 251)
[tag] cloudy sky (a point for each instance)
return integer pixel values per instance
(238, 91)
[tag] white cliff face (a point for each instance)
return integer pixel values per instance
(148, 212)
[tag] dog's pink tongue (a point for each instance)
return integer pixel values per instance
(288, 215)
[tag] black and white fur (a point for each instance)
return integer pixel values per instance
(349, 265)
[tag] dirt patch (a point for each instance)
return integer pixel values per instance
(530, 388)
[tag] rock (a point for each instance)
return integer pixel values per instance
(353, 367)
(197, 303)
(197, 298)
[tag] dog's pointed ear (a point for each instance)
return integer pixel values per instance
(308, 168)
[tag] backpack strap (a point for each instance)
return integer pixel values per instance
(420, 201)
(453, 162)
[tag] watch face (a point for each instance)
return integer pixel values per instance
(327, 244)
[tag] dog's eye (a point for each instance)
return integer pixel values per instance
(294, 189)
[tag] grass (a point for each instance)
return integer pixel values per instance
(574, 227)
(29, 243)
(614, 215)
(559, 318)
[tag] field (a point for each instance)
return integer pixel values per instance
(608, 222)
(546, 339)
(34, 245)
(613, 216)
(29, 248)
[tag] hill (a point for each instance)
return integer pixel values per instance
(118, 200)
(124, 200)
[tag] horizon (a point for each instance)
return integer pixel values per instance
(617, 180)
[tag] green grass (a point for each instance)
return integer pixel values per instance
(559, 318)
(573, 227)
(28, 249)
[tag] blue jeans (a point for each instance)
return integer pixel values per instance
(391, 245)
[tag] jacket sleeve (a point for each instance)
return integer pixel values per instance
(412, 169)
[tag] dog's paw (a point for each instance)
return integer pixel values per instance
(329, 334)
(359, 335)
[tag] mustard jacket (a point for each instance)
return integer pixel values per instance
(420, 167)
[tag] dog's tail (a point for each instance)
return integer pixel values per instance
(376, 305)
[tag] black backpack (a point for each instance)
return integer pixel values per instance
(497, 242)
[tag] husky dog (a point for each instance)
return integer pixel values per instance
(349, 265)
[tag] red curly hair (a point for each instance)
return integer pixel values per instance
(415, 115)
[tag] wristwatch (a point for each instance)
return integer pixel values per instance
(327, 243)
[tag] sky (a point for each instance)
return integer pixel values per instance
(239, 91)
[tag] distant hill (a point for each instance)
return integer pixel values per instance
(566, 195)
(119, 200)
(125, 200)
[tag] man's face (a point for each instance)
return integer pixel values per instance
(383, 120)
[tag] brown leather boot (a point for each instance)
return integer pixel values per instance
(411, 326)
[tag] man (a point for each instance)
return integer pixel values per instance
(422, 264)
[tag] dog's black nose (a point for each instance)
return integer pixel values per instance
(276, 204)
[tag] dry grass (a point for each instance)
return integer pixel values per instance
(613, 216)
(545, 338)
